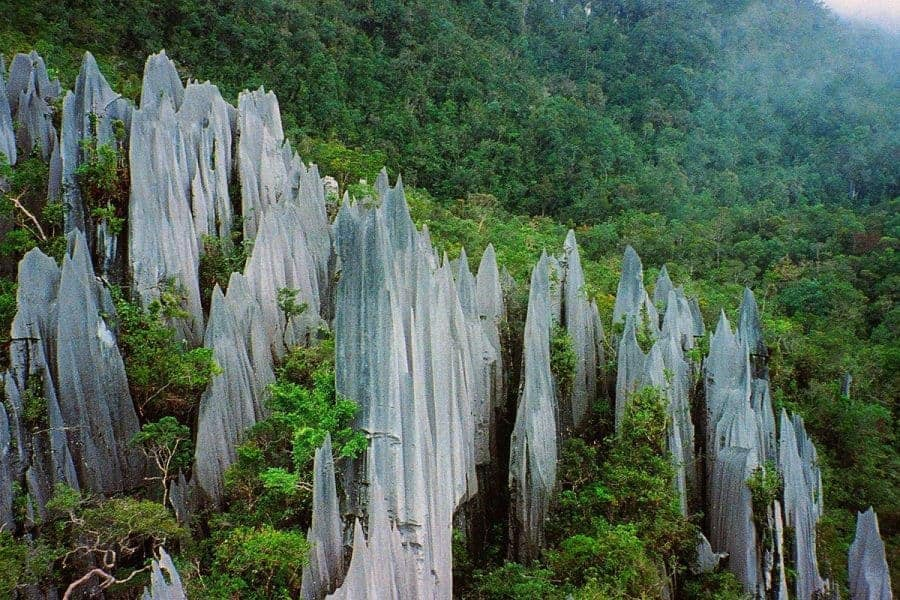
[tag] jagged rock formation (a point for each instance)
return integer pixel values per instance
(381, 566)
(7, 134)
(802, 500)
(418, 344)
(490, 311)
(325, 569)
(234, 401)
(665, 366)
(631, 297)
(533, 447)
(582, 322)
(868, 569)
(398, 307)
(292, 250)
(165, 582)
(92, 112)
(31, 93)
(662, 288)
(163, 245)
(741, 424)
(64, 359)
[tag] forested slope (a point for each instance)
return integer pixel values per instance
(741, 143)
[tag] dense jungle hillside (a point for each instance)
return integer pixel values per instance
(732, 144)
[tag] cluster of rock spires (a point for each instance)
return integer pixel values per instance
(419, 346)
(68, 415)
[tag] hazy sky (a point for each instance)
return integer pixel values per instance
(882, 12)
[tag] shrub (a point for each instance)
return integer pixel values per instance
(165, 376)
(513, 581)
(265, 560)
(562, 360)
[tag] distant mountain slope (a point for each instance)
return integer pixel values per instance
(576, 109)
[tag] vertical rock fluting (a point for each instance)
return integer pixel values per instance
(398, 307)
(325, 569)
(163, 245)
(7, 134)
(665, 367)
(740, 421)
(292, 250)
(92, 387)
(582, 322)
(631, 297)
(165, 582)
(91, 113)
(869, 574)
(802, 501)
(533, 447)
(64, 363)
(31, 94)
(41, 456)
(234, 400)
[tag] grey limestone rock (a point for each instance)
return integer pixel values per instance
(867, 565)
(491, 312)
(160, 81)
(750, 327)
(707, 560)
(31, 93)
(264, 158)
(583, 325)
(731, 515)
(325, 569)
(63, 349)
(631, 297)
(802, 501)
(7, 134)
(281, 260)
(533, 446)
(90, 112)
(163, 242)
(165, 582)
(234, 400)
(662, 288)
(630, 367)
(204, 122)
(399, 308)
(93, 391)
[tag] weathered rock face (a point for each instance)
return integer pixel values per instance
(248, 330)
(31, 93)
(204, 121)
(92, 112)
(490, 310)
(93, 391)
(164, 586)
(731, 515)
(802, 501)
(631, 297)
(325, 569)
(64, 356)
(533, 447)
(741, 422)
(234, 400)
(264, 159)
(381, 566)
(281, 259)
(630, 367)
(398, 307)
(7, 134)
(867, 565)
(163, 245)
(582, 322)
